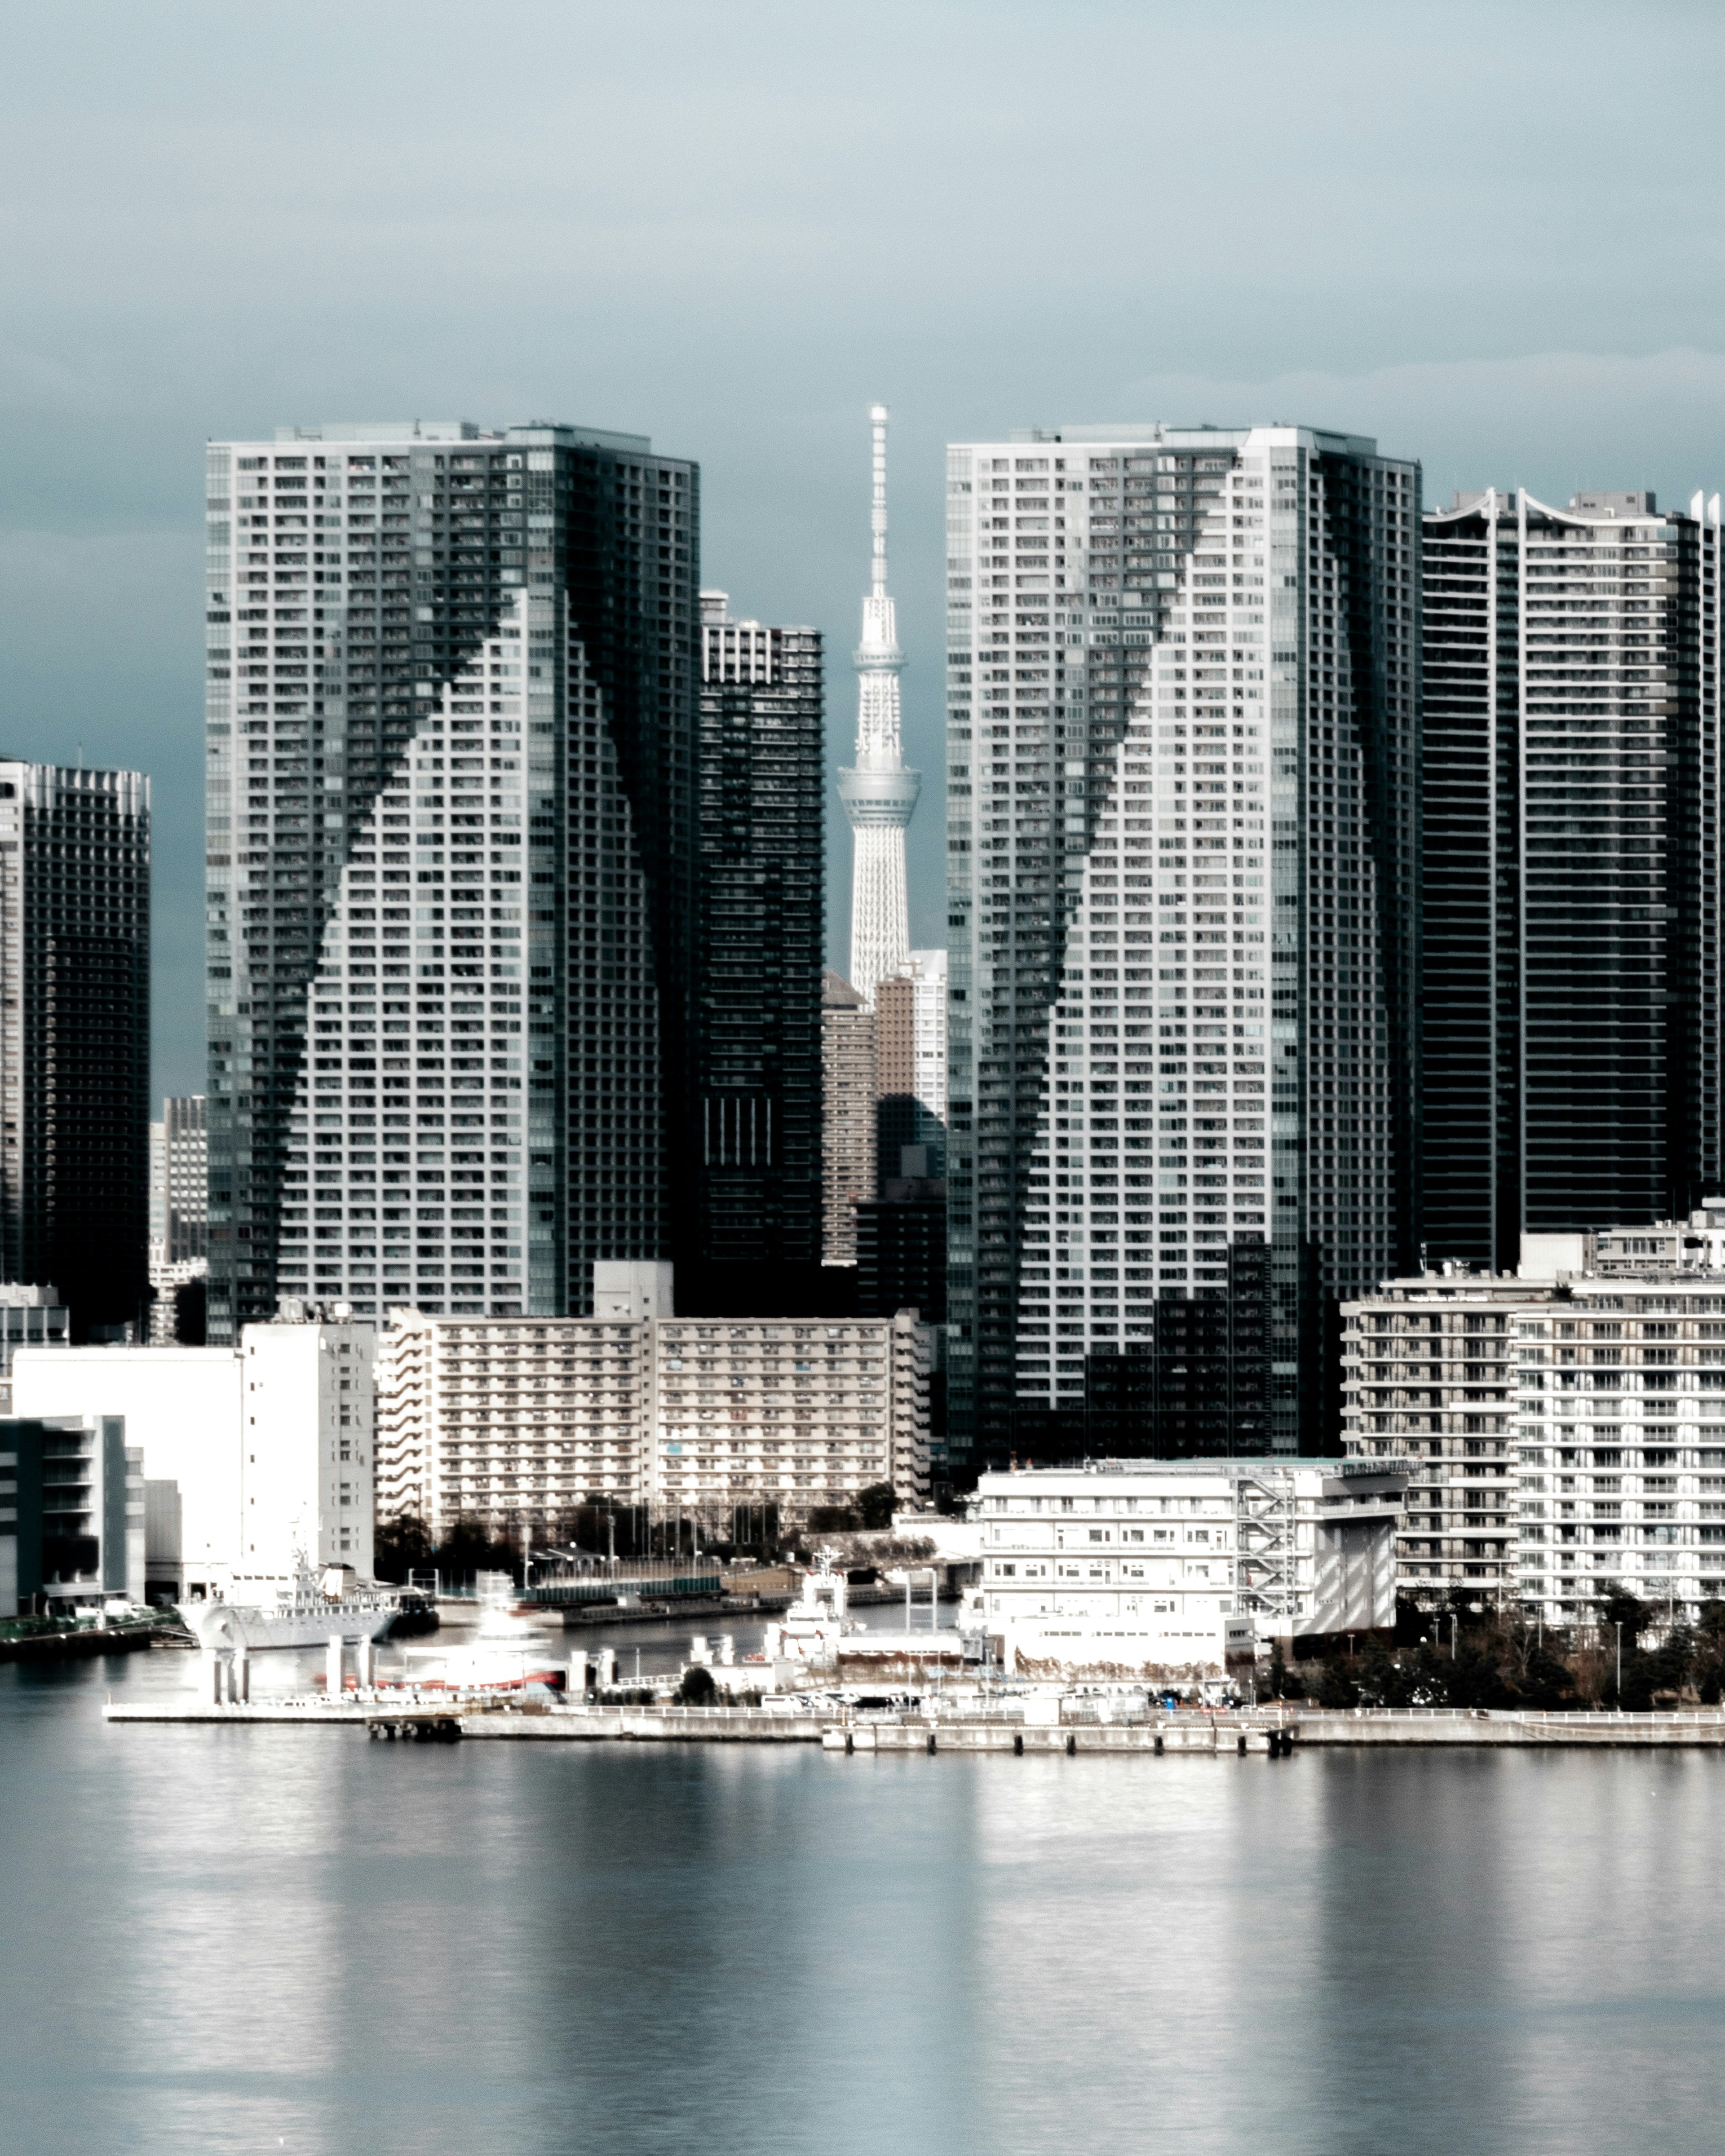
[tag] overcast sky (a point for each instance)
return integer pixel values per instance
(1490, 235)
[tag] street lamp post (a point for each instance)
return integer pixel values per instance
(1619, 1665)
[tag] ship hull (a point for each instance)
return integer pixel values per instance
(224, 1624)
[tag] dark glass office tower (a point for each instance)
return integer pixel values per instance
(452, 719)
(756, 1246)
(1571, 984)
(75, 1038)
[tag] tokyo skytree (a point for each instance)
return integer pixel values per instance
(879, 795)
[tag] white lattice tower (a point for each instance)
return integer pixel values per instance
(879, 794)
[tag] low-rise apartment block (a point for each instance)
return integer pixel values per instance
(792, 1412)
(496, 1418)
(517, 1422)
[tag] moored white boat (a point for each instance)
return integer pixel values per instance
(303, 1614)
(503, 1651)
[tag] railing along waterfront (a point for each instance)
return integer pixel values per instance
(1702, 1717)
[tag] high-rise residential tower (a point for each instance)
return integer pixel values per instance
(1182, 876)
(184, 1202)
(158, 1193)
(1571, 985)
(179, 1219)
(879, 794)
(452, 718)
(758, 1075)
(74, 1038)
(847, 1115)
(911, 1066)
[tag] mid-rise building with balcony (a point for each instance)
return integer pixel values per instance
(1563, 1430)
(518, 1424)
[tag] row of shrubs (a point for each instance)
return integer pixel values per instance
(1493, 1659)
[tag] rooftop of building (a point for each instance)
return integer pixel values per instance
(552, 432)
(1572, 1260)
(1158, 434)
(1585, 512)
(1166, 1470)
(715, 613)
(21, 1294)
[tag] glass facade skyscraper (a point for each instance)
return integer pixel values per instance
(1183, 674)
(758, 1043)
(1571, 997)
(74, 1038)
(451, 707)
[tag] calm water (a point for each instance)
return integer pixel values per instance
(257, 1939)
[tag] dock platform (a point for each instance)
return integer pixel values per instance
(379, 1719)
(1272, 1734)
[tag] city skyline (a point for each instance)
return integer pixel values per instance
(979, 1266)
(1425, 330)
(173, 1061)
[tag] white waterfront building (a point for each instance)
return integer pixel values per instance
(253, 1454)
(1563, 1429)
(519, 1422)
(1160, 1570)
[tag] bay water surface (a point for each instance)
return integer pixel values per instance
(256, 1939)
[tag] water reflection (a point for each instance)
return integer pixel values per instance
(237, 1939)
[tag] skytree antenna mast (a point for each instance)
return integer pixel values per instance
(879, 795)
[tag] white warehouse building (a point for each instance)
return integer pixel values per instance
(254, 1455)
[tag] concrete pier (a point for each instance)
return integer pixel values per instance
(1701, 1727)
(311, 1713)
(1263, 1735)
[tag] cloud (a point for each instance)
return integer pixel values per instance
(97, 661)
(1490, 236)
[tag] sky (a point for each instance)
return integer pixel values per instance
(1489, 235)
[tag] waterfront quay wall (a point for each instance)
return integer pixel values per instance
(20, 1645)
(1501, 1727)
(909, 1732)
(998, 1728)
(1008, 1731)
